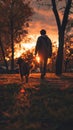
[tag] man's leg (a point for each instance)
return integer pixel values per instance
(45, 66)
(41, 66)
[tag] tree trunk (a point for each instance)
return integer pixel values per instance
(12, 47)
(59, 60)
(12, 41)
(3, 55)
(61, 29)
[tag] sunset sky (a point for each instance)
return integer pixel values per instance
(43, 18)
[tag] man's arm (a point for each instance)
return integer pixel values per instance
(37, 46)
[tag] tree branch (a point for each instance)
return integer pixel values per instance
(56, 14)
(66, 14)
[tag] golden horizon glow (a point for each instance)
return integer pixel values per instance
(28, 44)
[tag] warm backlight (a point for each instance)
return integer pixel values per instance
(37, 58)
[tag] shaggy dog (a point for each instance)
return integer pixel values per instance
(24, 69)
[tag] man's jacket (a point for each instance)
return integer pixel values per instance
(44, 46)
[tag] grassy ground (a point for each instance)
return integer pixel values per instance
(45, 108)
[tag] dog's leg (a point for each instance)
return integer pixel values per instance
(22, 79)
(26, 77)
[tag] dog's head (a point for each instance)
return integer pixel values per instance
(20, 61)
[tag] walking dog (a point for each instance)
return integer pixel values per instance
(24, 69)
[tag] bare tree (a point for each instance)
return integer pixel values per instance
(61, 32)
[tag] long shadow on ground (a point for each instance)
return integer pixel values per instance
(44, 108)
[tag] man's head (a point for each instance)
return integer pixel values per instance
(43, 32)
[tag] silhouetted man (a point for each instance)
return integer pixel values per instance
(44, 50)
